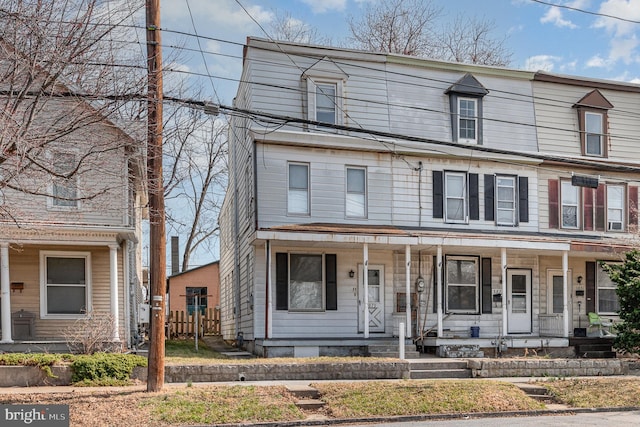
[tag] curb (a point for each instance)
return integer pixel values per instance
(430, 417)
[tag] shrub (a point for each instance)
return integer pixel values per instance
(105, 368)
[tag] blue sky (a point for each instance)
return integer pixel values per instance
(541, 37)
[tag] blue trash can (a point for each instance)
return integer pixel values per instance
(475, 332)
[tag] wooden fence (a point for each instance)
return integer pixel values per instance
(182, 324)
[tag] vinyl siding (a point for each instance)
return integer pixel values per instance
(24, 266)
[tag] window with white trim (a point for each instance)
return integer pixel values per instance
(65, 284)
(570, 197)
(64, 191)
(356, 195)
(468, 120)
(606, 295)
(594, 134)
(455, 190)
(462, 284)
(298, 194)
(324, 101)
(506, 200)
(306, 282)
(615, 207)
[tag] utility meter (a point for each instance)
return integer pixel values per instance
(420, 286)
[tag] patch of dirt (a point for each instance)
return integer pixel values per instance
(93, 408)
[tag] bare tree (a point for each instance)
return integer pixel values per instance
(195, 152)
(287, 28)
(469, 40)
(60, 85)
(396, 26)
(410, 27)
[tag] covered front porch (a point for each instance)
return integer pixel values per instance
(487, 288)
(49, 281)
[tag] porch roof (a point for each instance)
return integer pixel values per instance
(349, 235)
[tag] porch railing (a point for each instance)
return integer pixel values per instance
(551, 325)
(181, 323)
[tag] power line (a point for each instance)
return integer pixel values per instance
(577, 9)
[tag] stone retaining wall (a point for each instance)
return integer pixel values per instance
(496, 368)
(287, 371)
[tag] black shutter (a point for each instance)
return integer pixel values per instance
(489, 202)
(282, 281)
(438, 192)
(474, 197)
(487, 301)
(523, 192)
(590, 270)
(332, 282)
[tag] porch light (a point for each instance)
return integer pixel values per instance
(352, 274)
(579, 280)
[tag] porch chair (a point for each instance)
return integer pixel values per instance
(603, 326)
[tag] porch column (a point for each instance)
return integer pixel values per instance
(407, 258)
(5, 293)
(365, 281)
(113, 280)
(565, 295)
(439, 293)
(505, 297)
(269, 314)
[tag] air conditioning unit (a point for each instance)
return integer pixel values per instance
(615, 225)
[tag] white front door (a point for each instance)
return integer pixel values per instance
(518, 301)
(376, 298)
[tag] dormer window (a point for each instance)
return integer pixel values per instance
(324, 100)
(592, 122)
(465, 100)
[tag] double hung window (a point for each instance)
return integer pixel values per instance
(455, 189)
(594, 134)
(606, 293)
(298, 196)
(505, 200)
(570, 197)
(468, 120)
(462, 284)
(65, 284)
(615, 207)
(356, 196)
(64, 190)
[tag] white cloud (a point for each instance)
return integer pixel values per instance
(541, 62)
(627, 9)
(597, 61)
(554, 16)
(322, 6)
(623, 49)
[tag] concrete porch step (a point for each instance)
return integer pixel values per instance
(412, 354)
(536, 392)
(309, 397)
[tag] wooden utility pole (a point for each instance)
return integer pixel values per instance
(157, 237)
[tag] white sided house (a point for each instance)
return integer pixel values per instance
(358, 179)
(70, 249)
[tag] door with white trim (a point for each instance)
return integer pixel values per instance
(376, 298)
(518, 301)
